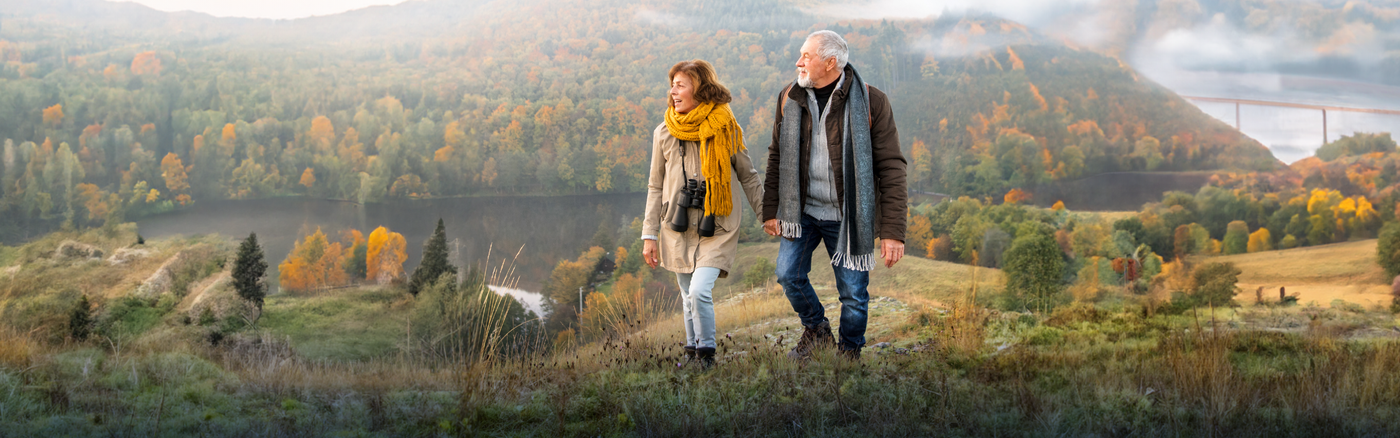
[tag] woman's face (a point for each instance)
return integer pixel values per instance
(683, 93)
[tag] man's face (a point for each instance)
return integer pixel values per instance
(812, 70)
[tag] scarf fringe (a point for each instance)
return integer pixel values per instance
(864, 262)
(790, 230)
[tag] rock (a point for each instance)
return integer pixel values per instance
(74, 250)
(882, 345)
(127, 255)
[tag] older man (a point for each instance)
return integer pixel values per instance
(844, 193)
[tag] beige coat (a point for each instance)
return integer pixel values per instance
(683, 252)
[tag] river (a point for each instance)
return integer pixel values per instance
(487, 231)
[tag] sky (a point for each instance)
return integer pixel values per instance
(277, 9)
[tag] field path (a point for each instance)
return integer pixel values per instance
(200, 289)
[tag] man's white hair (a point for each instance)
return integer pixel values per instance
(831, 45)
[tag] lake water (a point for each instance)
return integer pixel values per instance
(520, 237)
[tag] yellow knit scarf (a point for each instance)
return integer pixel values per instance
(720, 138)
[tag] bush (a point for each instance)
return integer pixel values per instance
(759, 274)
(80, 319)
(1213, 284)
(1388, 249)
(128, 317)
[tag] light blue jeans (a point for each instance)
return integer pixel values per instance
(698, 307)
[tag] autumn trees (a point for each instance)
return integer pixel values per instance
(317, 263)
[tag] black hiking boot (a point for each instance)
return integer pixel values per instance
(812, 338)
(707, 357)
(689, 354)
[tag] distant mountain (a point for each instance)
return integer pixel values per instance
(459, 97)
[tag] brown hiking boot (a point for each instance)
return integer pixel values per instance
(812, 338)
(850, 354)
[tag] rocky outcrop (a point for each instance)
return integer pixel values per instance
(127, 255)
(72, 250)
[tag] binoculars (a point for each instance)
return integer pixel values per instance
(692, 196)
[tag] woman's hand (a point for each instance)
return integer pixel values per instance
(771, 227)
(649, 253)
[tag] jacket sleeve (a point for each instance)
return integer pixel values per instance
(889, 167)
(748, 178)
(770, 175)
(651, 222)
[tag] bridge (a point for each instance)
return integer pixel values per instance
(1323, 108)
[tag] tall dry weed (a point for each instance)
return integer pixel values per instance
(16, 348)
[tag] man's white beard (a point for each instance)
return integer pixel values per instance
(804, 81)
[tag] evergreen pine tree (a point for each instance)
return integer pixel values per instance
(434, 263)
(249, 270)
(80, 319)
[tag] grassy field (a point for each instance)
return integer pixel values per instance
(1320, 274)
(333, 364)
(344, 324)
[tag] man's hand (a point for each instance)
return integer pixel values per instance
(891, 250)
(649, 253)
(771, 227)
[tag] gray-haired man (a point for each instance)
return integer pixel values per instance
(844, 193)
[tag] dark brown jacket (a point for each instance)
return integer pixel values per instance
(887, 164)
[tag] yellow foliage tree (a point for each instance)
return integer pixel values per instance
(1059, 205)
(1260, 241)
(385, 256)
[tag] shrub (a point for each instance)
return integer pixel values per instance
(1388, 249)
(759, 274)
(1213, 284)
(80, 319)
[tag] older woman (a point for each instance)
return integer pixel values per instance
(692, 215)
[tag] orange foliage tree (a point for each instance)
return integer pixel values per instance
(145, 63)
(53, 115)
(308, 177)
(385, 256)
(314, 263)
(175, 178)
(1016, 196)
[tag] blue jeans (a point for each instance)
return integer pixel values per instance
(698, 307)
(795, 262)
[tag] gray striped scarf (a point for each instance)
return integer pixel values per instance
(855, 245)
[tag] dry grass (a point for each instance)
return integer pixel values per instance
(1321, 274)
(16, 348)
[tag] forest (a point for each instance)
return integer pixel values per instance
(112, 123)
